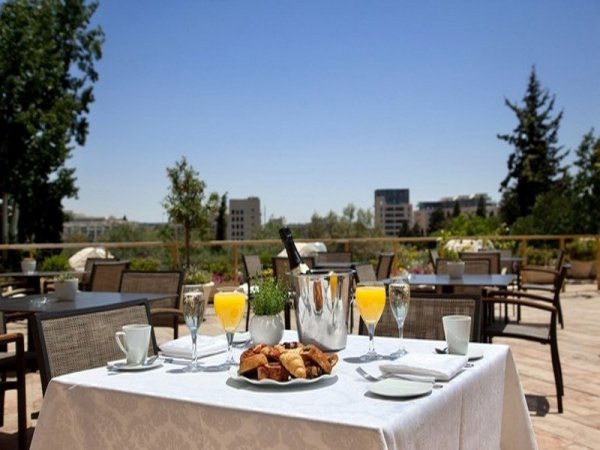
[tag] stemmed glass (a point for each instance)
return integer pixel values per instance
(193, 312)
(229, 308)
(399, 293)
(370, 298)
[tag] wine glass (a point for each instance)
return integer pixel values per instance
(193, 312)
(370, 298)
(399, 293)
(229, 308)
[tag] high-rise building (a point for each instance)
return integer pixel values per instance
(393, 210)
(244, 218)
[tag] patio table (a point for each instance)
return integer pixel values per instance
(482, 407)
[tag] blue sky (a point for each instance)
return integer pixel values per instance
(312, 105)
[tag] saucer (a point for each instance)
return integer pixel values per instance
(397, 388)
(121, 365)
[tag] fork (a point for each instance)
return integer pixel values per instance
(370, 377)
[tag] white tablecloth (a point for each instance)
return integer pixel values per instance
(483, 407)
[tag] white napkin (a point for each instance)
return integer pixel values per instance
(442, 367)
(182, 347)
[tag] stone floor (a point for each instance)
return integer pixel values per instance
(579, 425)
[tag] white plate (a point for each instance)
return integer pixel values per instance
(233, 374)
(123, 366)
(474, 354)
(394, 387)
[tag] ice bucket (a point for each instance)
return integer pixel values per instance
(321, 306)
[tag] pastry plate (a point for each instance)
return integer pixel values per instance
(121, 365)
(474, 354)
(397, 388)
(233, 374)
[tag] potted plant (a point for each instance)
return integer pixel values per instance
(28, 264)
(454, 265)
(582, 254)
(197, 279)
(269, 300)
(65, 286)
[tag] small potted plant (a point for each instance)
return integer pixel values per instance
(28, 264)
(269, 300)
(582, 254)
(65, 286)
(454, 265)
(197, 279)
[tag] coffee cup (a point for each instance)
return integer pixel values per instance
(134, 340)
(457, 330)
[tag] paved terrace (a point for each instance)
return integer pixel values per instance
(579, 346)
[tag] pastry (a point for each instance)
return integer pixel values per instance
(273, 371)
(294, 364)
(251, 362)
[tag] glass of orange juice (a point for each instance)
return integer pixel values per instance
(370, 298)
(229, 304)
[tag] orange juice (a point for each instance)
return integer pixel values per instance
(371, 301)
(229, 308)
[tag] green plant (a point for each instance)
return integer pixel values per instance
(196, 275)
(146, 264)
(539, 256)
(55, 263)
(582, 249)
(65, 277)
(270, 297)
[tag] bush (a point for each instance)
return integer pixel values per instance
(582, 249)
(145, 264)
(55, 263)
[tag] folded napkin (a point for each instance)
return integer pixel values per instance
(442, 367)
(182, 347)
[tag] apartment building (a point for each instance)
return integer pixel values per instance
(393, 210)
(244, 218)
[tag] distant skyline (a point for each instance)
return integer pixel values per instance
(312, 105)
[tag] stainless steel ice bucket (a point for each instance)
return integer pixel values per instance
(321, 306)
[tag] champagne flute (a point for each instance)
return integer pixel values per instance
(399, 293)
(370, 298)
(193, 312)
(229, 308)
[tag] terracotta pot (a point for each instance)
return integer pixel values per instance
(581, 269)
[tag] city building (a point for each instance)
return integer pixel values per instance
(393, 211)
(88, 228)
(244, 218)
(467, 204)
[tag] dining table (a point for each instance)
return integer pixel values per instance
(470, 280)
(167, 407)
(33, 280)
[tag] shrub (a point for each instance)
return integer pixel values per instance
(55, 263)
(582, 249)
(145, 264)
(270, 298)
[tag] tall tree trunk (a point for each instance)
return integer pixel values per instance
(4, 219)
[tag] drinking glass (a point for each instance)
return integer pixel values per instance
(229, 308)
(193, 312)
(370, 298)
(399, 293)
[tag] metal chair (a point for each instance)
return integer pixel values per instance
(384, 265)
(252, 272)
(106, 276)
(167, 312)
(333, 257)
(78, 340)
(543, 332)
(13, 362)
(492, 256)
(425, 312)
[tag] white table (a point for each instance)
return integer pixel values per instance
(483, 407)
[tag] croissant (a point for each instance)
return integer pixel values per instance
(294, 364)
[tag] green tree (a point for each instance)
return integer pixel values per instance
(456, 209)
(586, 185)
(186, 203)
(534, 166)
(481, 207)
(437, 219)
(222, 219)
(47, 56)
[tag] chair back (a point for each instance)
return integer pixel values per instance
(87, 268)
(492, 256)
(433, 257)
(252, 267)
(472, 266)
(106, 276)
(425, 312)
(365, 273)
(78, 340)
(154, 282)
(384, 265)
(334, 257)
(281, 266)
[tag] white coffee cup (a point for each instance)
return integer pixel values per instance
(457, 330)
(136, 339)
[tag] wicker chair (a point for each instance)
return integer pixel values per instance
(334, 257)
(78, 340)
(87, 269)
(542, 332)
(425, 312)
(365, 273)
(384, 265)
(106, 276)
(252, 272)
(492, 256)
(167, 312)
(13, 362)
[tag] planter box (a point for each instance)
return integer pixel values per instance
(583, 269)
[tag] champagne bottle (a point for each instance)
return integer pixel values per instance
(297, 265)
